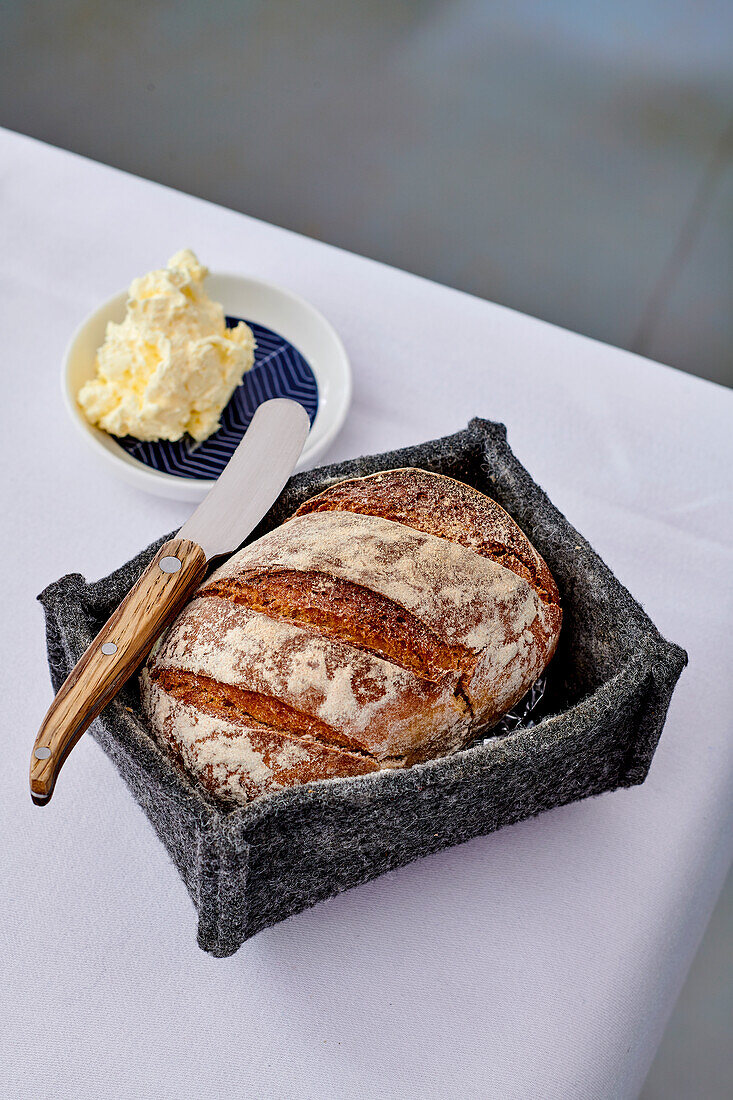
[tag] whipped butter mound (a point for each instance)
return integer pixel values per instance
(171, 366)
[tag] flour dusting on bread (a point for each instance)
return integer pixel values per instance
(444, 584)
(379, 627)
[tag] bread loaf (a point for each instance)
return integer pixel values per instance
(384, 624)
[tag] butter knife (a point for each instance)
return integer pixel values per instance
(244, 491)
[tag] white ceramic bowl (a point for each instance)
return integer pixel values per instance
(266, 304)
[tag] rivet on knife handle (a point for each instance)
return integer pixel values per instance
(121, 645)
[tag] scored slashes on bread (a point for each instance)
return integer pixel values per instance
(381, 626)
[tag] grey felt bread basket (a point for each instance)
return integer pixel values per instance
(609, 687)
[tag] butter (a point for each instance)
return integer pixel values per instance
(172, 365)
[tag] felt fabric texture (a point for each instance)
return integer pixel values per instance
(246, 868)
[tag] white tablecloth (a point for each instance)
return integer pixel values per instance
(542, 961)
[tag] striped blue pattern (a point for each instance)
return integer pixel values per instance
(279, 371)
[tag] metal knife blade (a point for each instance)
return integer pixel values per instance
(252, 480)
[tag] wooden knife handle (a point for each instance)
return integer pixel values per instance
(121, 645)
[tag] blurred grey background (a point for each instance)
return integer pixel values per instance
(568, 158)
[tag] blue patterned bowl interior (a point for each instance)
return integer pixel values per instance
(279, 371)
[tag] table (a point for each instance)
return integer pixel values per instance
(541, 961)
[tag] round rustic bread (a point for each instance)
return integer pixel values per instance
(384, 624)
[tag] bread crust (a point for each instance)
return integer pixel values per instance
(440, 505)
(380, 626)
